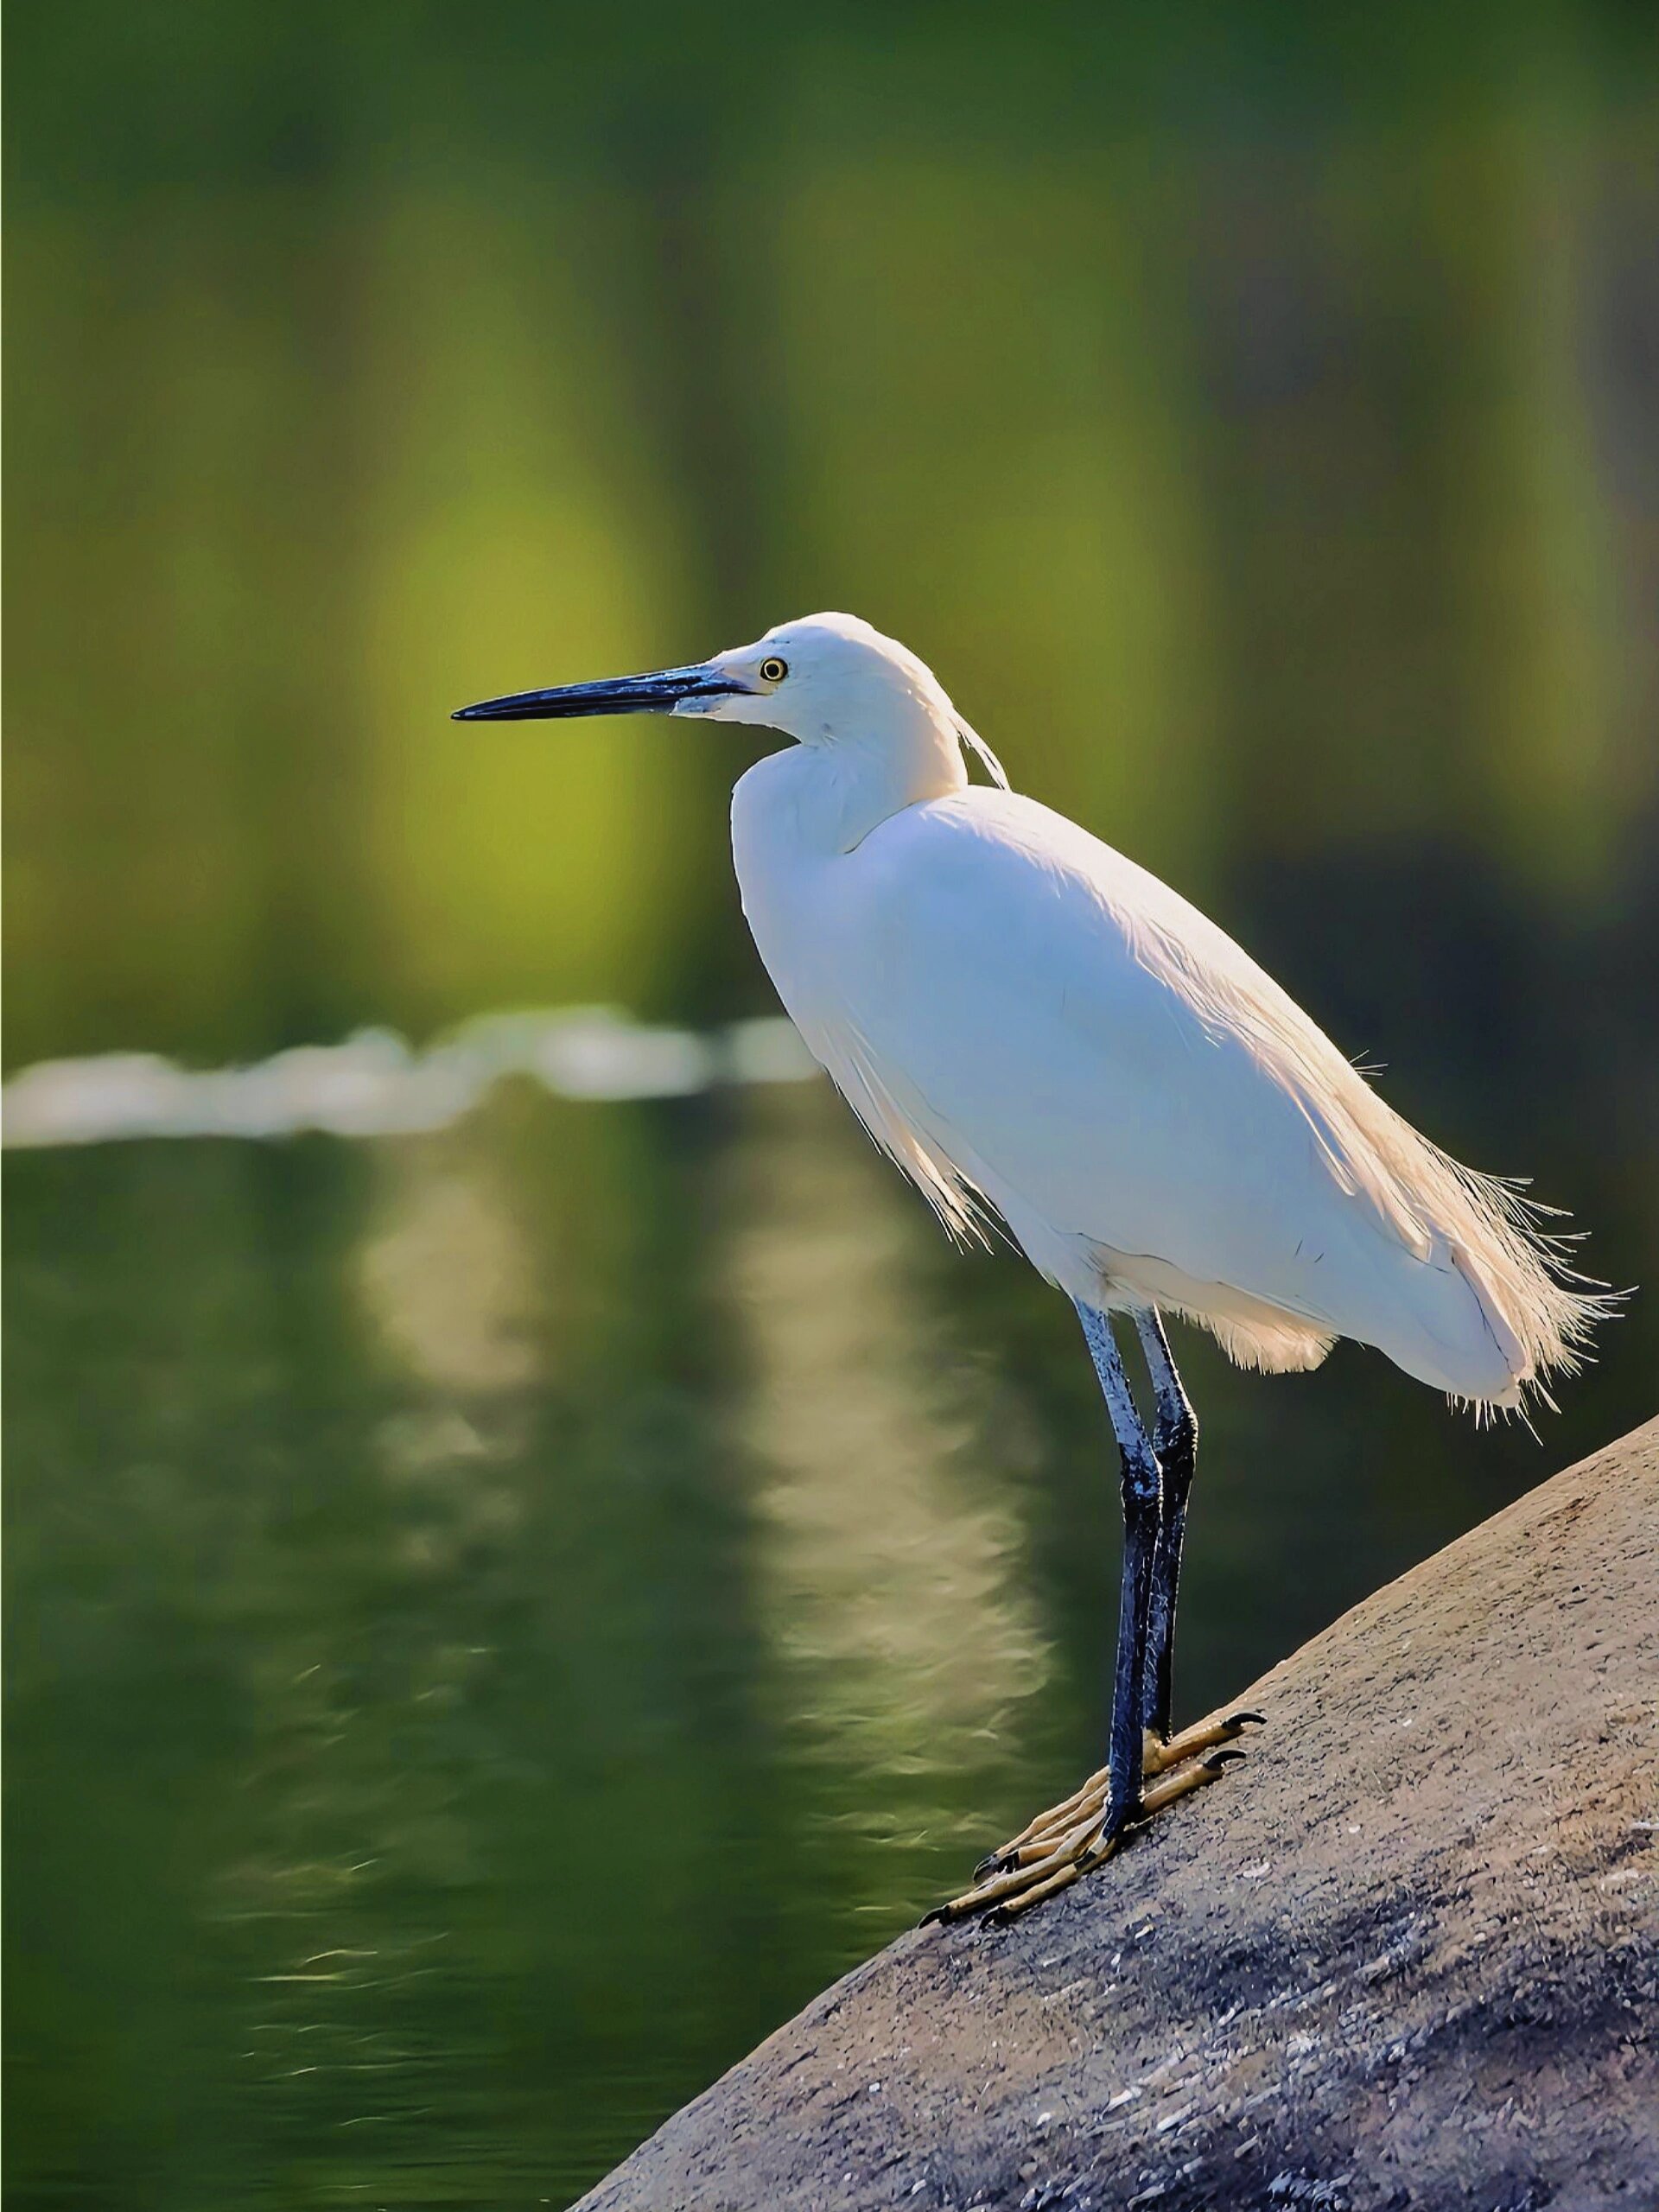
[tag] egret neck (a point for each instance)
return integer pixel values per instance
(828, 793)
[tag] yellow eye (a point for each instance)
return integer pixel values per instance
(774, 670)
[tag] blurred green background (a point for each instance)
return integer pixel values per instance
(498, 1618)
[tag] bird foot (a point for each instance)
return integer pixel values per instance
(1072, 1838)
(1161, 1753)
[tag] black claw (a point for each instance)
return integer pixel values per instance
(1223, 1755)
(1238, 1720)
(939, 1917)
(998, 1916)
(991, 1863)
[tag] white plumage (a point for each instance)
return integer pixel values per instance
(1036, 1029)
(1029, 1023)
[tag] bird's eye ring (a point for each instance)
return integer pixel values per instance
(774, 670)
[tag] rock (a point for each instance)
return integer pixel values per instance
(1407, 1954)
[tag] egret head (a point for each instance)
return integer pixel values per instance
(818, 678)
(822, 677)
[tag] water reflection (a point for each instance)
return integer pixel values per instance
(448, 1276)
(889, 1546)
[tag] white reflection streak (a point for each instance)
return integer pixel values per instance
(449, 1273)
(896, 1582)
(373, 1085)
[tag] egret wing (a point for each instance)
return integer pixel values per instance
(1116, 1076)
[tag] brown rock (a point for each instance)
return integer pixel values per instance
(1407, 1954)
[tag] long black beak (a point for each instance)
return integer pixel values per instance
(657, 694)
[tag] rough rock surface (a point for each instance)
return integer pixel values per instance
(1406, 1955)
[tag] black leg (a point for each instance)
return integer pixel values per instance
(1141, 1489)
(1142, 1778)
(1175, 1441)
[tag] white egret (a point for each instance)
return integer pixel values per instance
(1039, 1032)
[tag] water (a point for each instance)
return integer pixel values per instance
(500, 1613)
(500, 1617)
